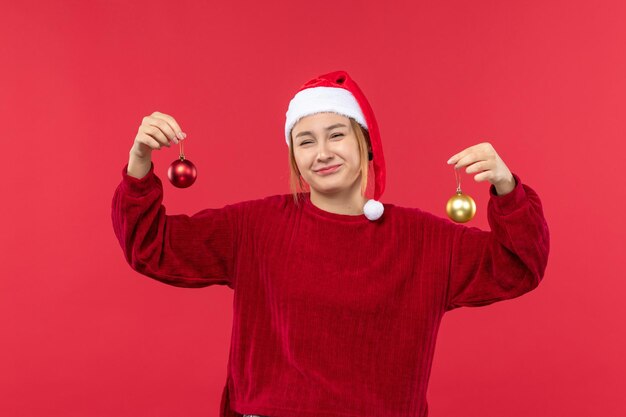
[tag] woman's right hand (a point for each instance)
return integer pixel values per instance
(155, 131)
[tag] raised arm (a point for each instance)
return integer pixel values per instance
(504, 263)
(180, 250)
(511, 259)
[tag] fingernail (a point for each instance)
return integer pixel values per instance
(180, 135)
(449, 161)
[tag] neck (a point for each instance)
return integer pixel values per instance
(348, 201)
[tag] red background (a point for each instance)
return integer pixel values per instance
(543, 81)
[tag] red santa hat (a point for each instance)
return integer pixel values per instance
(337, 92)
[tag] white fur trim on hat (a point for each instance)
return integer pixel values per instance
(373, 209)
(322, 99)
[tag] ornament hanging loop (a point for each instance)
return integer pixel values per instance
(182, 154)
(458, 180)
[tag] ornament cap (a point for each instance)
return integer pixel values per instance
(373, 209)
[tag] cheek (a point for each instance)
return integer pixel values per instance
(306, 153)
(355, 159)
(301, 159)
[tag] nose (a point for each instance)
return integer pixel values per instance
(323, 153)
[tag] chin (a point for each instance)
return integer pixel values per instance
(330, 185)
(329, 188)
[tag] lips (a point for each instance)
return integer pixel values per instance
(327, 169)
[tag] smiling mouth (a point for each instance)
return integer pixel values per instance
(328, 170)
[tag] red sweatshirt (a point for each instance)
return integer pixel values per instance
(334, 315)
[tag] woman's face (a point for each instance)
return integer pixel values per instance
(325, 140)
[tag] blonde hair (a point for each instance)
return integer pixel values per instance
(363, 140)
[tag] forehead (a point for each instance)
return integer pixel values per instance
(319, 120)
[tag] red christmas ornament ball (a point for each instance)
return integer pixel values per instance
(182, 173)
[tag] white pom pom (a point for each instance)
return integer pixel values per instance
(373, 209)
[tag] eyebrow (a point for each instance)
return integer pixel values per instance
(331, 127)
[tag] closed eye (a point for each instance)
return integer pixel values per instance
(309, 141)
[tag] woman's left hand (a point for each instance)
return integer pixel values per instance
(484, 159)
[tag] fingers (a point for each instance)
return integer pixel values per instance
(479, 166)
(485, 175)
(158, 129)
(483, 160)
(456, 157)
(480, 152)
(480, 159)
(162, 122)
(466, 160)
(172, 124)
(153, 137)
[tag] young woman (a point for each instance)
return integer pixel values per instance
(337, 297)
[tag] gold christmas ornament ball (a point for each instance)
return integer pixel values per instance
(461, 208)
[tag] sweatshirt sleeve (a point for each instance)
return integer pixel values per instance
(179, 250)
(506, 262)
